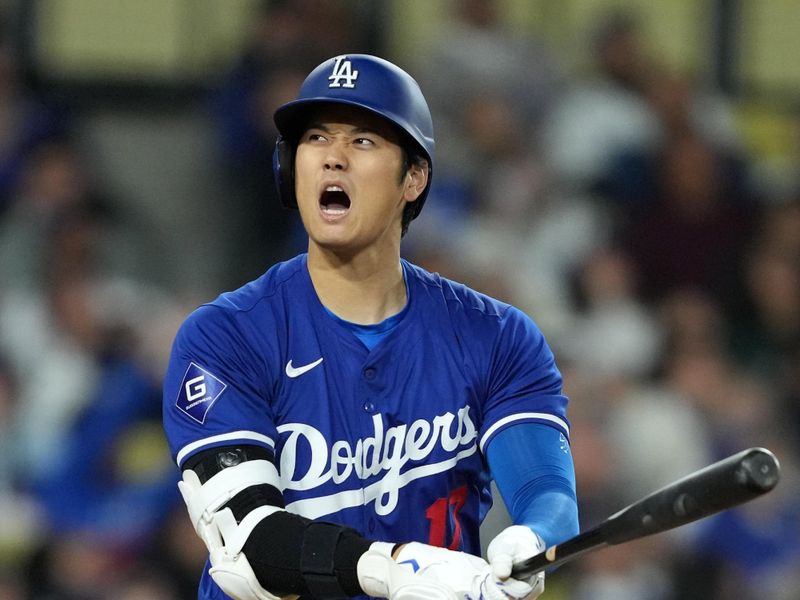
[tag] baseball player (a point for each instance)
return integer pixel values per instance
(338, 421)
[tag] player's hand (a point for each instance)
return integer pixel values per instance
(470, 577)
(381, 577)
(515, 544)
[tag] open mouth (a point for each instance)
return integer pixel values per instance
(334, 201)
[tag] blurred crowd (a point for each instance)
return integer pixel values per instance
(616, 206)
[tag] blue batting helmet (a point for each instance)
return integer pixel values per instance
(369, 82)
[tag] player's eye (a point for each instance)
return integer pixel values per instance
(315, 137)
(363, 141)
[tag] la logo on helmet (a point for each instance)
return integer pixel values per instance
(343, 69)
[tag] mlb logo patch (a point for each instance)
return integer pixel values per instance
(199, 390)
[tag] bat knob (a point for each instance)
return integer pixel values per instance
(760, 469)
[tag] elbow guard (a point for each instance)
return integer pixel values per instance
(222, 534)
(212, 482)
(237, 510)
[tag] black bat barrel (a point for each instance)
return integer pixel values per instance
(727, 483)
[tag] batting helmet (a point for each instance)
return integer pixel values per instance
(369, 82)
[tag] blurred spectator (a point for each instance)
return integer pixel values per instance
(634, 571)
(89, 456)
(8, 402)
(110, 478)
(683, 105)
(767, 322)
(146, 584)
(58, 250)
(57, 185)
(270, 70)
(55, 371)
(493, 207)
(505, 175)
(617, 344)
(613, 335)
(755, 548)
(693, 321)
(739, 407)
(178, 551)
(21, 527)
(604, 132)
(26, 120)
(621, 453)
(11, 586)
(773, 289)
(683, 111)
(605, 114)
(780, 229)
(87, 420)
(487, 112)
(277, 45)
(475, 56)
(790, 388)
(630, 410)
(694, 234)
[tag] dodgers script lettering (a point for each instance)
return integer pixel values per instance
(388, 451)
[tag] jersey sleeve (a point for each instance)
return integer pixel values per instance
(524, 385)
(215, 388)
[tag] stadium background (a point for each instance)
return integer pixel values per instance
(627, 172)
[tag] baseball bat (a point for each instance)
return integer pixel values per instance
(717, 487)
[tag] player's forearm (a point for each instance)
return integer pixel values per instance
(552, 515)
(533, 470)
(280, 551)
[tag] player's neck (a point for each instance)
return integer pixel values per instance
(363, 289)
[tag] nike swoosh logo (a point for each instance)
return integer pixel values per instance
(297, 371)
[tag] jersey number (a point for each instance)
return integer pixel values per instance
(443, 515)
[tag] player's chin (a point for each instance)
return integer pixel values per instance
(332, 227)
(334, 238)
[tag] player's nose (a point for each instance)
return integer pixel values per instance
(336, 158)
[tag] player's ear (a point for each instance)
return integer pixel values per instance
(415, 180)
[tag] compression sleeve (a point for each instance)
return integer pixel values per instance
(532, 467)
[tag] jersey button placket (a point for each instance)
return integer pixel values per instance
(369, 375)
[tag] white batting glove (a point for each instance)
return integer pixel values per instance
(470, 577)
(381, 577)
(512, 545)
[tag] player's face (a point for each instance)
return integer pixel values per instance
(349, 182)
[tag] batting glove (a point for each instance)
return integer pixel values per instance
(381, 577)
(512, 545)
(470, 577)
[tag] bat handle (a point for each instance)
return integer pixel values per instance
(558, 554)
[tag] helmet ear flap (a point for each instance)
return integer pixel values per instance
(283, 170)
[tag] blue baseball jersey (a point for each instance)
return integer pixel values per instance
(390, 441)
